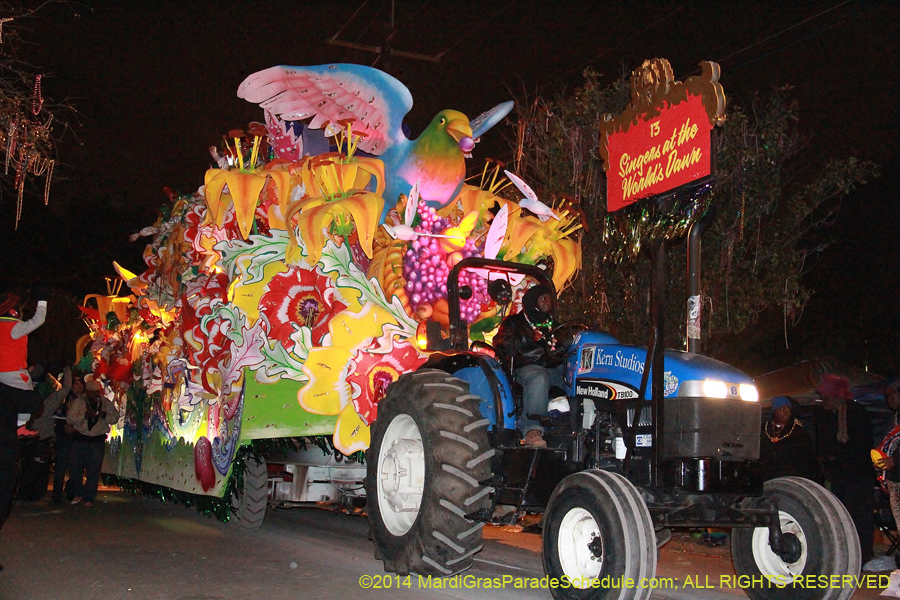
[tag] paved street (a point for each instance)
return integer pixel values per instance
(140, 548)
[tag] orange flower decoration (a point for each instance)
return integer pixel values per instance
(244, 187)
(336, 198)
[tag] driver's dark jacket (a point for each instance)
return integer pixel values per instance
(515, 340)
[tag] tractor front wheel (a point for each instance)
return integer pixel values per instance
(426, 468)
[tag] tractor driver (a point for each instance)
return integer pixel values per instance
(524, 340)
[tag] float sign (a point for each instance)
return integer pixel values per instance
(664, 139)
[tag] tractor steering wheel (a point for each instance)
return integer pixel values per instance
(565, 332)
(484, 346)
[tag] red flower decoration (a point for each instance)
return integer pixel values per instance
(303, 297)
(375, 372)
(198, 347)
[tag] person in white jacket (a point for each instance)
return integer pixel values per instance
(90, 415)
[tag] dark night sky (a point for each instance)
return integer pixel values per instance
(154, 85)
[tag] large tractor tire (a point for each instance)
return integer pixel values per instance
(828, 545)
(425, 466)
(251, 497)
(597, 527)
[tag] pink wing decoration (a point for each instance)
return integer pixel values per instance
(374, 100)
(496, 233)
(412, 204)
(492, 244)
(283, 139)
(523, 187)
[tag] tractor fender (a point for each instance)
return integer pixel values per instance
(486, 379)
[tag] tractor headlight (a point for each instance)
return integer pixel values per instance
(720, 390)
(715, 389)
(748, 392)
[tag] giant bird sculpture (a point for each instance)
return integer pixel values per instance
(377, 103)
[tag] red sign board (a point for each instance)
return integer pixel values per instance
(663, 139)
(659, 154)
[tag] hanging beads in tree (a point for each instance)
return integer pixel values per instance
(37, 99)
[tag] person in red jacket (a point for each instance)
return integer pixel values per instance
(14, 341)
(17, 396)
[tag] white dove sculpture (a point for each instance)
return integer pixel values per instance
(404, 231)
(530, 201)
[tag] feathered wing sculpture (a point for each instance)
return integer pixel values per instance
(375, 100)
(377, 103)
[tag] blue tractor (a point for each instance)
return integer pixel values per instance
(652, 440)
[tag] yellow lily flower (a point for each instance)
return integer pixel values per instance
(130, 279)
(108, 304)
(336, 197)
(358, 207)
(282, 178)
(528, 240)
(276, 218)
(480, 198)
(472, 198)
(332, 174)
(244, 187)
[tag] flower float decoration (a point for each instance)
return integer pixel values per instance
(529, 239)
(300, 298)
(373, 372)
(354, 349)
(276, 303)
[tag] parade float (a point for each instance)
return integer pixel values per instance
(283, 297)
(335, 285)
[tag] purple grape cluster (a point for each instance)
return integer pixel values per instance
(425, 270)
(427, 265)
(471, 308)
(429, 222)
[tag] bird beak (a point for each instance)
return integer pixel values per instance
(458, 129)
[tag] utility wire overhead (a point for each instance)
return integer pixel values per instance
(353, 16)
(477, 29)
(816, 33)
(610, 49)
(785, 30)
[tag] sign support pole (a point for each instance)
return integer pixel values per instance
(658, 286)
(694, 302)
(661, 143)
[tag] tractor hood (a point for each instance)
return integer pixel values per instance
(599, 366)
